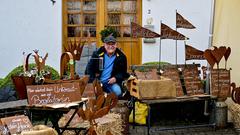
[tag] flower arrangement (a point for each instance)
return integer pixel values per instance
(38, 72)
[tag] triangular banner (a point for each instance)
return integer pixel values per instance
(182, 22)
(193, 53)
(140, 32)
(168, 33)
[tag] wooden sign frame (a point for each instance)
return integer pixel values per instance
(53, 93)
(221, 87)
(17, 124)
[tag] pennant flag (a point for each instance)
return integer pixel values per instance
(193, 53)
(140, 32)
(168, 33)
(183, 23)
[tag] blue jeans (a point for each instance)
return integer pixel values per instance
(115, 88)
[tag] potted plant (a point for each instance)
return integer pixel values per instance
(35, 75)
(109, 31)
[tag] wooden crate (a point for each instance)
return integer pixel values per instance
(153, 89)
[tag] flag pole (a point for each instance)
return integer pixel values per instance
(208, 79)
(176, 40)
(131, 45)
(185, 51)
(160, 46)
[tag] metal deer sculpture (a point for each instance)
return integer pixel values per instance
(40, 62)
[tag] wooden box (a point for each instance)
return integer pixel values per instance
(153, 89)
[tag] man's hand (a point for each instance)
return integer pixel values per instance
(112, 80)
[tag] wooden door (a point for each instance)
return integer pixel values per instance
(81, 17)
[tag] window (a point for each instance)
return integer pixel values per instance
(81, 18)
(120, 14)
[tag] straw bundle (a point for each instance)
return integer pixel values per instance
(63, 121)
(235, 111)
(111, 122)
(40, 130)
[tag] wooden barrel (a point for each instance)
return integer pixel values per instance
(123, 110)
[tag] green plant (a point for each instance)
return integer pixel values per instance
(149, 66)
(107, 31)
(156, 63)
(7, 81)
(1, 80)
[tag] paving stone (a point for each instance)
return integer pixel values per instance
(190, 131)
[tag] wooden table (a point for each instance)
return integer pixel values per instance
(12, 107)
(55, 111)
(195, 98)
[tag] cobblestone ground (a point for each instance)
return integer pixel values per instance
(142, 130)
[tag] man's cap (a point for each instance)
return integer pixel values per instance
(110, 39)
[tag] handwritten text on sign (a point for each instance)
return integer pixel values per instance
(53, 93)
(17, 124)
(220, 82)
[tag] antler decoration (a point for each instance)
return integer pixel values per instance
(40, 62)
(97, 109)
(75, 47)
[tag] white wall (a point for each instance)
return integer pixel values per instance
(196, 11)
(27, 25)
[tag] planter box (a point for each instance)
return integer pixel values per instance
(20, 83)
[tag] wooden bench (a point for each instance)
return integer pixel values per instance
(186, 77)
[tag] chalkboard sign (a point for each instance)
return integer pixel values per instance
(220, 88)
(17, 124)
(53, 93)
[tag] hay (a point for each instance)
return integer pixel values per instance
(40, 130)
(63, 121)
(111, 122)
(235, 111)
